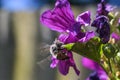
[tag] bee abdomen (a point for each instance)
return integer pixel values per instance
(61, 56)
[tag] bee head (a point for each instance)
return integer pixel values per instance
(58, 43)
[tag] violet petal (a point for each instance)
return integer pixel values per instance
(102, 9)
(54, 63)
(87, 37)
(65, 65)
(84, 18)
(90, 64)
(60, 18)
(115, 36)
(67, 38)
(103, 28)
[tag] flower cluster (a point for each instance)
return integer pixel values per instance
(97, 37)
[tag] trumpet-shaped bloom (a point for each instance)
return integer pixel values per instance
(103, 28)
(61, 19)
(102, 22)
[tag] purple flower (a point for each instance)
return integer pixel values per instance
(102, 22)
(103, 28)
(103, 8)
(61, 19)
(115, 36)
(90, 64)
(98, 73)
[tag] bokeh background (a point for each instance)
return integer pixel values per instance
(21, 36)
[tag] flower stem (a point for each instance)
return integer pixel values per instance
(110, 65)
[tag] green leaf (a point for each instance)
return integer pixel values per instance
(91, 49)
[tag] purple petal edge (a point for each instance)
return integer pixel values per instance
(60, 18)
(84, 18)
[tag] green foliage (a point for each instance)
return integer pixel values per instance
(109, 50)
(108, 53)
(91, 49)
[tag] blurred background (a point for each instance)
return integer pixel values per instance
(21, 36)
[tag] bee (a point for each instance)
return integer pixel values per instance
(57, 50)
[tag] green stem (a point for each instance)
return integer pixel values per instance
(110, 65)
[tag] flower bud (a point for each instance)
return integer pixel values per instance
(109, 50)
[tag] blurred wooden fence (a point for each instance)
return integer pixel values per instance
(27, 33)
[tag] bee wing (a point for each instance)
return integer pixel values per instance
(44, 56)
(44, 50)
(45, 63)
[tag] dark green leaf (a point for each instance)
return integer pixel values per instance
(91, 49)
